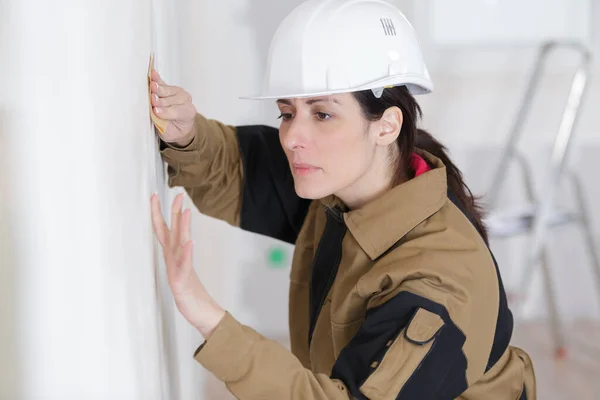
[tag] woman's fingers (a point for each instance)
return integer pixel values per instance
(156, 77)
(158, 223)
(176, 220)
(176, 113)
(179, 234)
(179, 98)
(165, 90)
(186, 227)
(159, 87)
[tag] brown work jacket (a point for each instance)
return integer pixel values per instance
(399, 299)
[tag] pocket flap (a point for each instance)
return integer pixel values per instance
(423, 327)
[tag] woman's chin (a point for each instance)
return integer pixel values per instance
(306, 190)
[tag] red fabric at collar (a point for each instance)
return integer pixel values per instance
(419, 164)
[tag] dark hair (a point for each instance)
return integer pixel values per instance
(412, 137)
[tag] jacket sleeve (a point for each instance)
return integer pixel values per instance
(239, 175)
(253, 367)
(407, 348)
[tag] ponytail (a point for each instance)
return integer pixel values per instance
(456, 184)
(412, 138)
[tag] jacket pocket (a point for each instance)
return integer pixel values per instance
(403, 356)
(423, 327)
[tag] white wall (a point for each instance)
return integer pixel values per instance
(83, 301)
(8, 333)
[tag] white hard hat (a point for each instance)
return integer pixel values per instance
(335, 46)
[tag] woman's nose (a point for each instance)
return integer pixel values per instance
(294, 136)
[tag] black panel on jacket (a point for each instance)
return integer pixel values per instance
(325, 264)
(270, 205)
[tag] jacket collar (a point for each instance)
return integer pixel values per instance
(378, 225)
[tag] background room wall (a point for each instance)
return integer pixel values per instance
(478, 92)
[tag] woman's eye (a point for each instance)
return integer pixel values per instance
(323, 116)
(285, 116)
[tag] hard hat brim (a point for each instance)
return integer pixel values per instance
(416, 86)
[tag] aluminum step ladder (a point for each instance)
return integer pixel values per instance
(541, 215)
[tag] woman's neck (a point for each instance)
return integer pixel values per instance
(375, 182)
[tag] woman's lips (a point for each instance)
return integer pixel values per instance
(301, 169)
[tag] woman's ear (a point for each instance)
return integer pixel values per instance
(391, 124)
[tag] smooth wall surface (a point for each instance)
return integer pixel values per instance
(83, 301)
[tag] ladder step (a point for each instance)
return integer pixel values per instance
(517, 221)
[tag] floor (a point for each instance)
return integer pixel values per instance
(575, 377)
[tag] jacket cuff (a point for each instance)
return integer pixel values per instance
(225, 349)
(193, 145)
(189, 153)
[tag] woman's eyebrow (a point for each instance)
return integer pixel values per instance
(310, 101)
(322, 99)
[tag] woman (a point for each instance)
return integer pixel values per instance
(394, 293)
